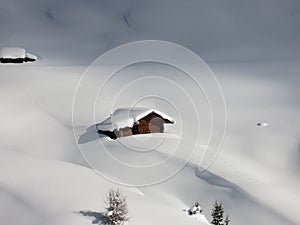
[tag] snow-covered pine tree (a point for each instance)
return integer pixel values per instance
(217, 214)
(116, 212)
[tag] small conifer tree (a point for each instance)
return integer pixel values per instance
(217, 214)
(116, 212)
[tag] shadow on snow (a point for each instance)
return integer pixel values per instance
(97, 217)
(91, 134)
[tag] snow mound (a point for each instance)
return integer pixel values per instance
(15, 55)
(201, 218)
(126, 117)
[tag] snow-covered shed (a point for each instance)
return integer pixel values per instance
(15, 55)
(131, 121)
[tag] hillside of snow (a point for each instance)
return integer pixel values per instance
(54, 167)
(36, 122)
(79, 31)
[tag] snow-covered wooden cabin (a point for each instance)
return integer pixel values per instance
(131, 121)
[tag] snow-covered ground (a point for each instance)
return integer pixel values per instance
(255, 175)
(252, 49)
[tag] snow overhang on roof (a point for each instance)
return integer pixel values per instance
(126, 117)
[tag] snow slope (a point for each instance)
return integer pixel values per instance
(251, 46)
(36, 122)
(52, 192)
(79, 31)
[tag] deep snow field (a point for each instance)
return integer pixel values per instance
(44, 178)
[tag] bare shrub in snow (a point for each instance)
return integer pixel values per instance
(116, 212)
(227, 220)
(195, 209)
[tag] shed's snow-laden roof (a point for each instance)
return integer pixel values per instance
(126, 117)
(12, 53)
(15, 53)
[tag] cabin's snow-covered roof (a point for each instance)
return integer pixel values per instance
(126, 117)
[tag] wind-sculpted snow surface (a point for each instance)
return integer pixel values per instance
(76, 30)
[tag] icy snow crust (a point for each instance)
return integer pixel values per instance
(126, 117)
